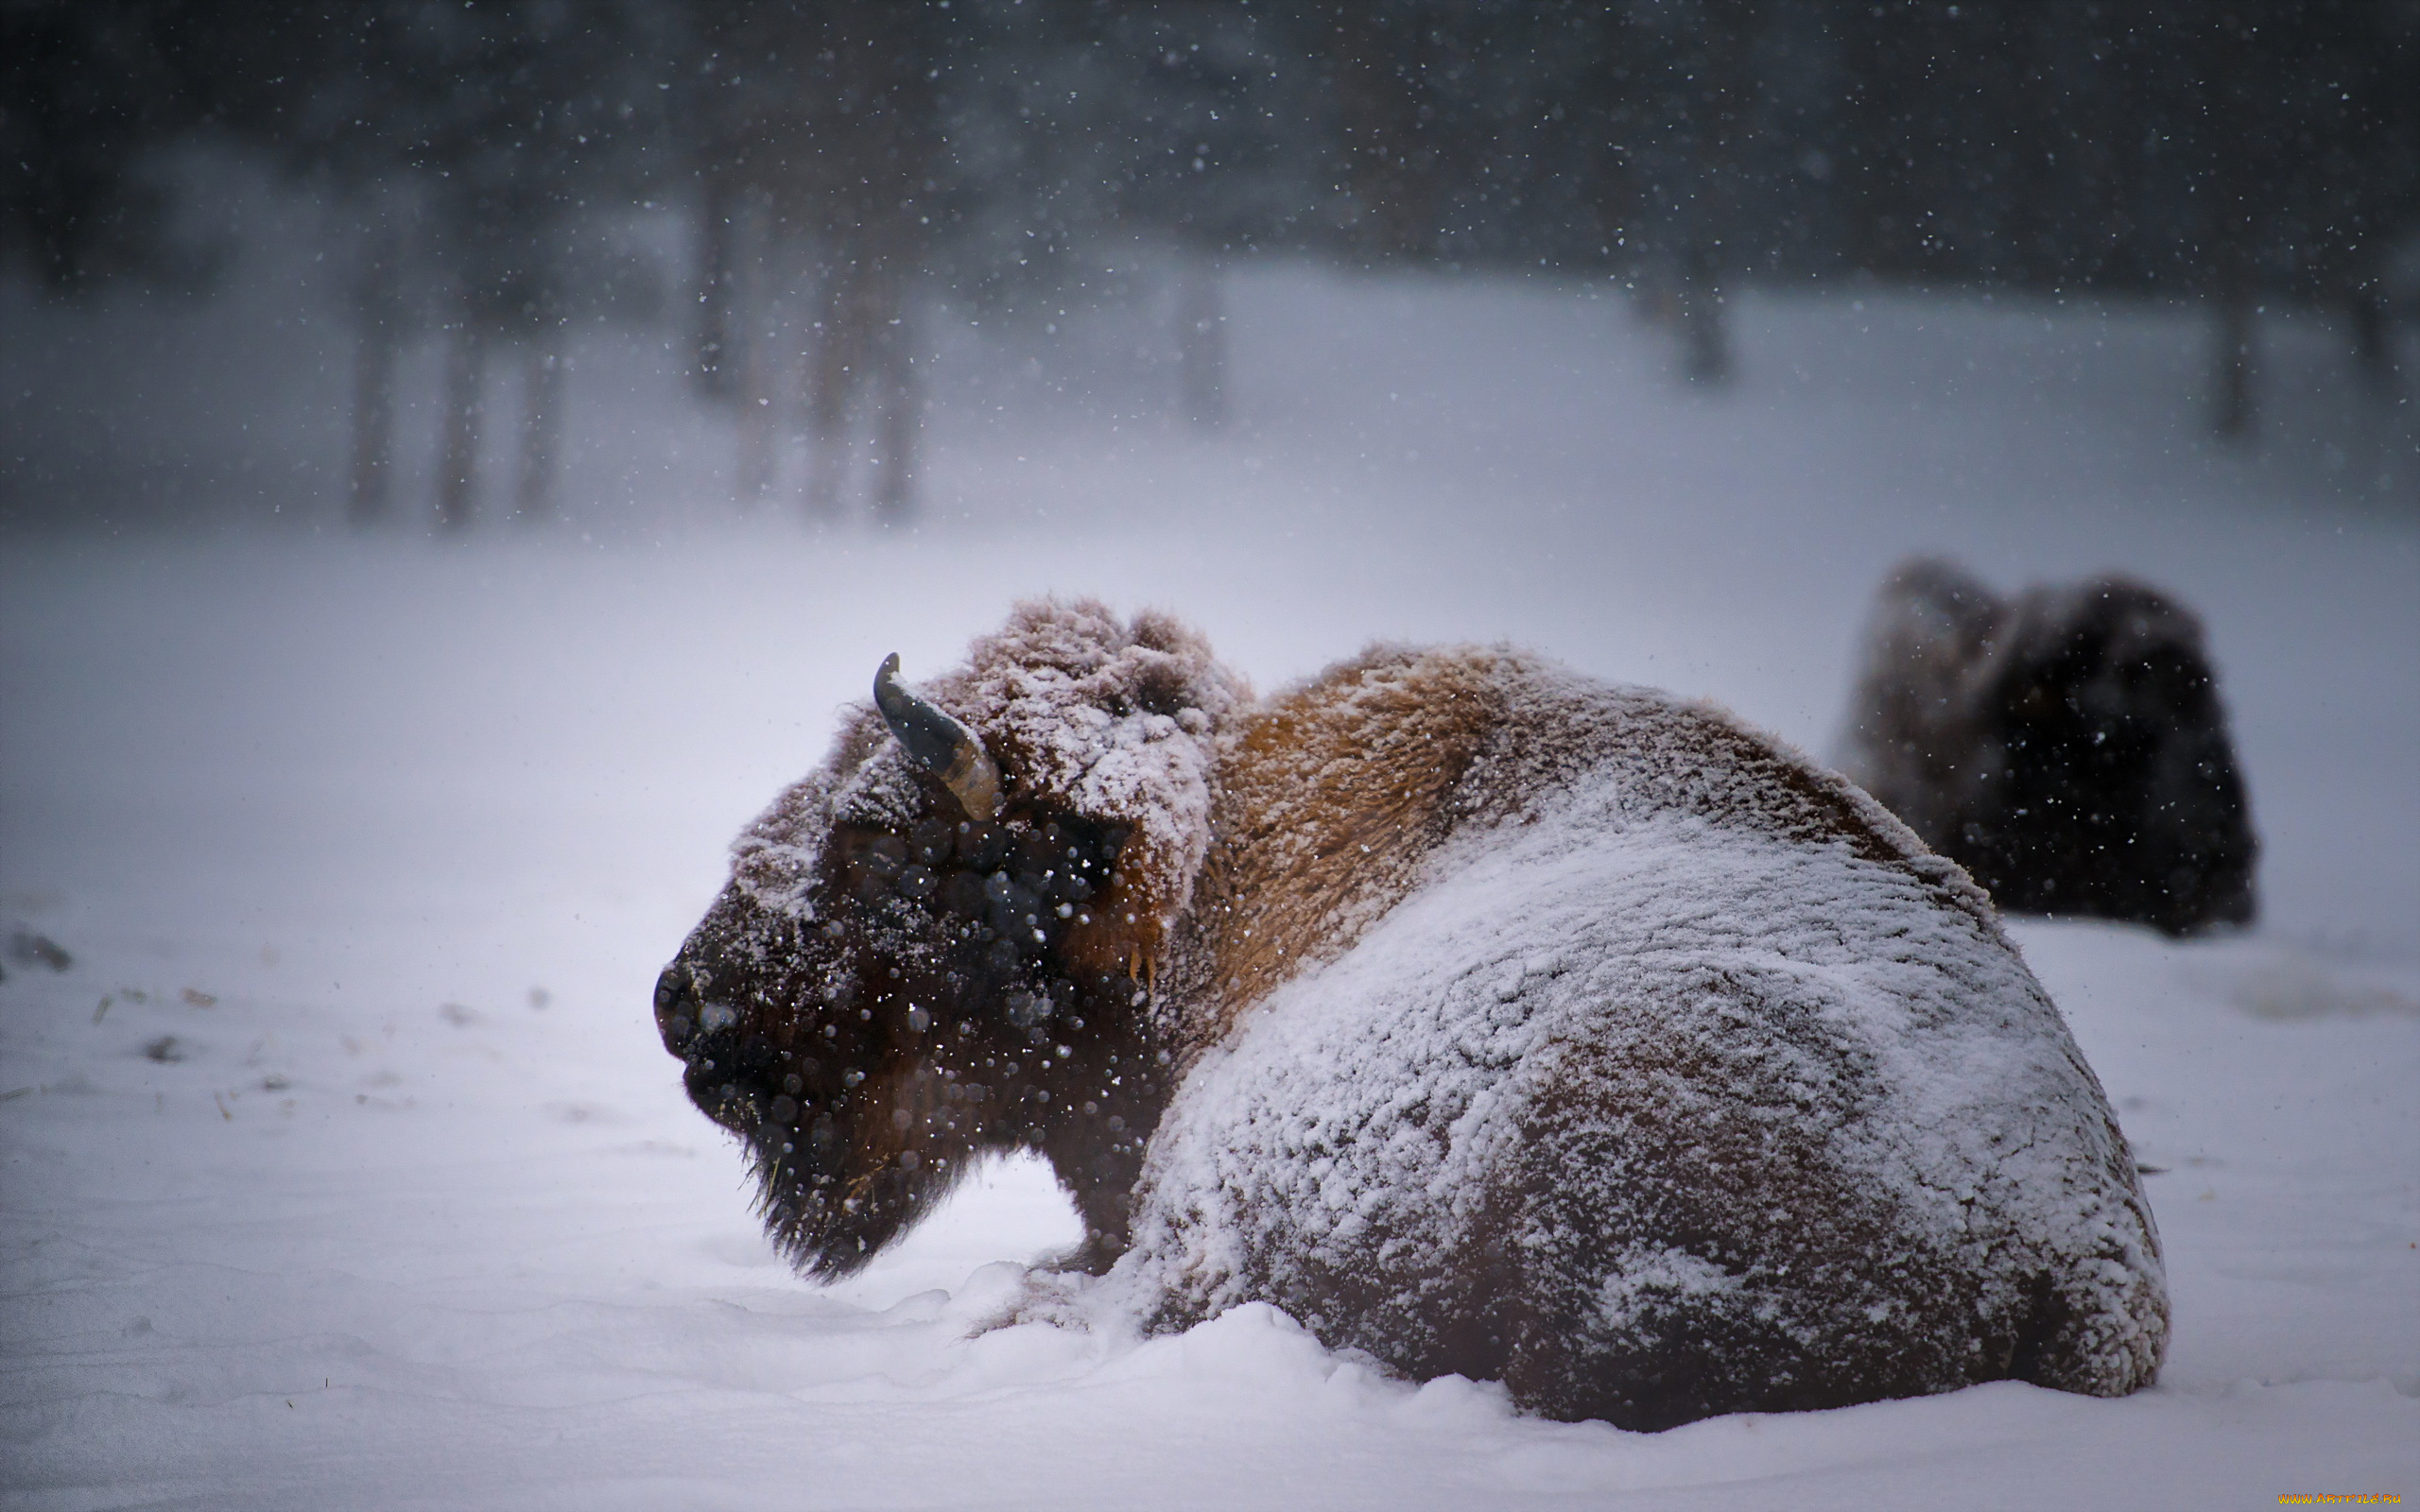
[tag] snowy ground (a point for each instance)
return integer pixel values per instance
(343, 1169)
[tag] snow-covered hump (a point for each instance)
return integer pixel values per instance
(1334, 797)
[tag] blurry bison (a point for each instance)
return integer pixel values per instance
(2066, 747)
(1489, 1019)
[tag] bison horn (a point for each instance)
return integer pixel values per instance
(939, 744)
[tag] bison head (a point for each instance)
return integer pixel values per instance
(2067, 746)
(941, 944)
(2119, 792)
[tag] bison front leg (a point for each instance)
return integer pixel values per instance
(1098, 1176)
(1107, 1102)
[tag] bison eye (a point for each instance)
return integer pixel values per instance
(717, 1016)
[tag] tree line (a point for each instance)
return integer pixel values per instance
(841, 161)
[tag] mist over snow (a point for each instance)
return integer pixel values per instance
(343, 1167)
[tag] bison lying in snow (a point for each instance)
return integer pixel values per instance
(2066, 746)
(1486, 1018)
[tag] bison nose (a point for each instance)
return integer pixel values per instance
(676, 1008)
(687, 1022)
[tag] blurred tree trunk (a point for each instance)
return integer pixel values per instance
(542, 391)
(2231, 363)
(747, 362)
(863, 360)
(832, 363)
(2232, 292)
(458, 461)
(833, 131)
(1705, 349)
(1689, 58)
(1718, 141)
(713, 371)
(1201, 341)
(1379, 61)
(759, 425)
(2231, 118)
(900, 400)
(377, 309)
(2372, 338)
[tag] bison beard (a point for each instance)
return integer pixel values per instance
(1488, 1019)
(929, 1019)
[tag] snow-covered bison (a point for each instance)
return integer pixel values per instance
(2066, 747)
(1488, 1019)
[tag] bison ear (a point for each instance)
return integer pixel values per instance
(939, 744)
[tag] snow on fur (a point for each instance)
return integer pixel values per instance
(2067, 744)
(1111, 720)
(1512, 1024)
(1758, 1117)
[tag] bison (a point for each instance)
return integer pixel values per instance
(1487, 1018)
(2066, 747)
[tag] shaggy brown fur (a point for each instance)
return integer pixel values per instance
(2067, 746)
(1332, 796)
(1329, 800)
(889, 990)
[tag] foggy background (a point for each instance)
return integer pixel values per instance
(649, 263)
(457, 459)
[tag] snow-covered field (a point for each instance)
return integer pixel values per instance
(343, 1168)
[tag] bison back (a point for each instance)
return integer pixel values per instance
(1655, 1117)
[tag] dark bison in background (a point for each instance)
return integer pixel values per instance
(2066, 747)
(1487, 1018)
